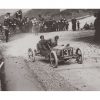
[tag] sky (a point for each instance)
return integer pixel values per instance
(62, 10)
(4, 11)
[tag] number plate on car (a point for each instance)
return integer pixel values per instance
(68, 52)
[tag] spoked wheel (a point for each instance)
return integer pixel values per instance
(31, 55)
(33, 59)
(53, 59)
(79, 56)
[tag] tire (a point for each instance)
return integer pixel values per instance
(53, 59)
(33, 60)
(79, 58)
(31, 56)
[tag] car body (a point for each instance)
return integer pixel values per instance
(66, 52)
(61, 53)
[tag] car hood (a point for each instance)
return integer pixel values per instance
(59, 47)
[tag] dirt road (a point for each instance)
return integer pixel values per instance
(24, 75)
(85, 76)
(20, 74)
(18, 77)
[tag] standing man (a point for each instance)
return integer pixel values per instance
(78, 25)
(1, 28)
(67, 25)
(14, 25)
(6, 25)
(40, 22)
(97, 26)
(34, 25)
(19, 15)
(74, 24)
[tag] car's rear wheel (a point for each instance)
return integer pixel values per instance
(79, 56)
(31, 56)
(53, 59)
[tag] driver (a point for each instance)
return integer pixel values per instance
(53, 42)
(42, 43)
(43, 46)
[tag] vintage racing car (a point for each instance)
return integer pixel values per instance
(61, 53)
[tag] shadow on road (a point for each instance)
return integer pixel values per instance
(17, 36)
(90, 39)
(59, 64)
(77, 68)
(2, 77)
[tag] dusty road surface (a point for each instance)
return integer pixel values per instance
(21, 74)
(19, 77)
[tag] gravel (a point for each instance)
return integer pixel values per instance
(49, 79)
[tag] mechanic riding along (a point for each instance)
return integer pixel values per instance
(57, 53)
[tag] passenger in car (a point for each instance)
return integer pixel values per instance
(53, 42)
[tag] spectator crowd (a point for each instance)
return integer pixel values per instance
(38, 24)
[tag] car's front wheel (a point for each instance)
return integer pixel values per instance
(79, 56)
(53, 59)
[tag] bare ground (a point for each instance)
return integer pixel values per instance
(22, 75)
(49, 79)
(18, 77)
